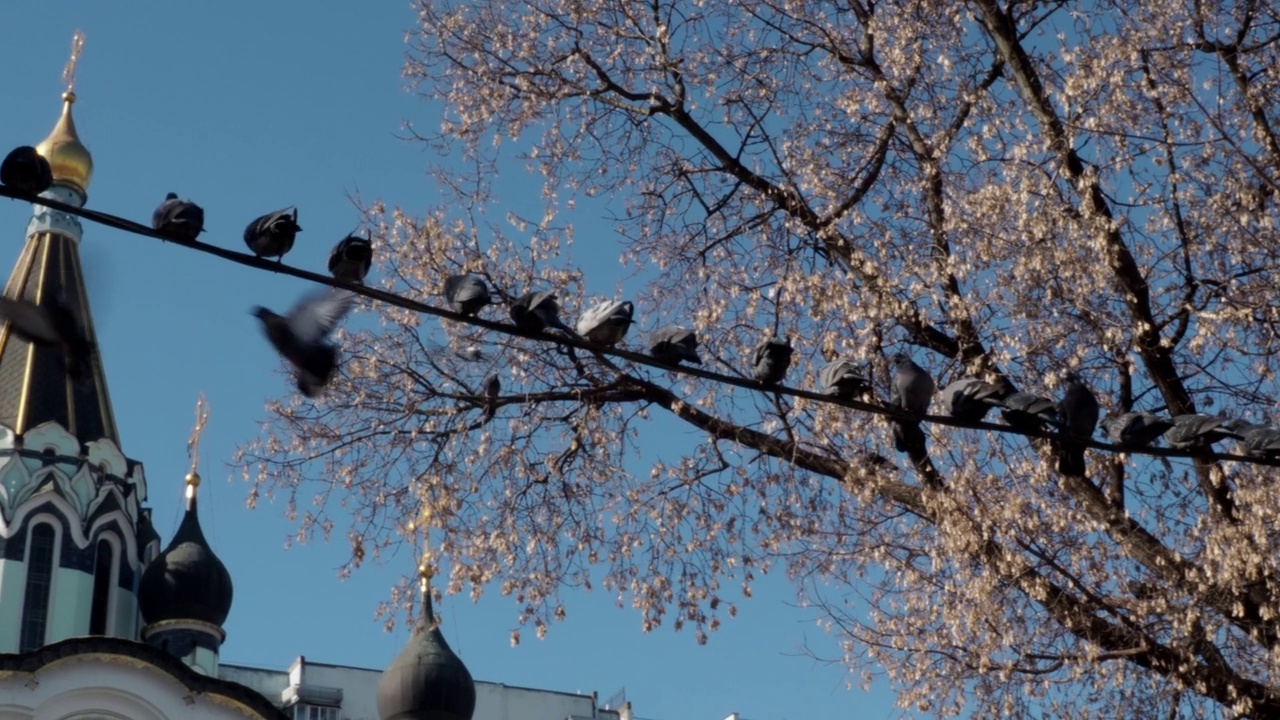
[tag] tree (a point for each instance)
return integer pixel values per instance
(1007, 190)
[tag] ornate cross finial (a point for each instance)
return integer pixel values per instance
(193, 442)
(69, 72)
(425, 571)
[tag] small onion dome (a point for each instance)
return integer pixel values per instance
(68, 157)
(426, 681)
(186, 581)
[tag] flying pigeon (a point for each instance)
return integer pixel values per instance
(536, 311)
(351, 258)
(301, 335)
(1079, 412)
(607, 322)
(1028, 411)
(178, 219)
(770, 360)
(26, 170)
(843, 379)
(970, 399)
(910, 389)
(1261, 441)
(50, 325)
(272, 235)
(1135, 429)
(670, 344)
(466, 294)
(1200, 431)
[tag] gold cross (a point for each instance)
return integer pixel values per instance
(69, 72)
(193, 442)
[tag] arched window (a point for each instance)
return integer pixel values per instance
(103, 574)
(35, 599)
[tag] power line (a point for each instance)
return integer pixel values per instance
(373, 293)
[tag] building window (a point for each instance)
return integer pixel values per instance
(35, 600)
(102, 567)
(303, 711)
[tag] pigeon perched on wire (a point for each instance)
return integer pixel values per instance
(1260, 441)
(536, 311)
(1135, 429)
(1028, 411)
(26, 170)
(272, 235)
(1200, 431)
(970, 399)
(607, 322)
(1079, 412)
(670, 344)
(351, 258)
(301, 336)
(770, 360)
(50, 325)
(466, 294)
(843, 379)
(910, 390)
(178, 219)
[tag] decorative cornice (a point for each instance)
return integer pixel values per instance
(183, 624)
(90, 480)
(145, 658)
(49, 220)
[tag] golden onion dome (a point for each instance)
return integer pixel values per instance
(68, 157)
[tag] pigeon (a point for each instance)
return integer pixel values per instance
(1260, 441)
(178, 219)
(970, 399)
(491, 386)
(670, 344)
(1198, 431)
(770, 360)
(607, 322)
(843, 379)
(1028, 411)
(350, 259)
(26, 170)
(272, 235)
(910, 390)
(471, 353)
(466, 294)
(50, 325)
(300, 336)
(536, 311)
(1135, 429)
(1079, 412)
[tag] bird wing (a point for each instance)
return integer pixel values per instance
(318, 313)
(30, 321)
(594, 317)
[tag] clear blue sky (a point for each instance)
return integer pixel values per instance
(247, 107)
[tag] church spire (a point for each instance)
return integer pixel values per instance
(35, 383)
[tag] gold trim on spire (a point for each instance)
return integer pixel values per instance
(68, 158)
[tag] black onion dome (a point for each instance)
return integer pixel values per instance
(426, 681)
(186, 581)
